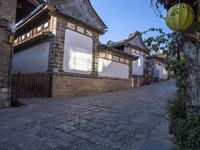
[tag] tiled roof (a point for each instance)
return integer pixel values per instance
(34, 12)
(121, 42)
(80, 12)
(68, 10)
(126, 42)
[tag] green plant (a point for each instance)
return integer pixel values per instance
(176, 107)
(187, 134)
(181, 76)
(185, 129)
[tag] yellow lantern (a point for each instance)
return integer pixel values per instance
(180, 17)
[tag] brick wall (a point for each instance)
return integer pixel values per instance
(69, 85)
(7, 12)
(57, 43)
(137, 81)
(66, 86)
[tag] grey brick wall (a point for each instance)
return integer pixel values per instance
(57, 44)
(7, 12)
(66, 86)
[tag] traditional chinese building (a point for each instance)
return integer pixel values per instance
(157, 68)
(134, 46)
(61, 39)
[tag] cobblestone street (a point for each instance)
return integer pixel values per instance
(132, 119)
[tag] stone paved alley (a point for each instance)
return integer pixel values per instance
(132, 119)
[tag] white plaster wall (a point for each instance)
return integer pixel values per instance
(77, 53)
(138, 66)
(31, 60)
(162, 72)
(108, 68)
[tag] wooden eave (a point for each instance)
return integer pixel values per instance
(137, 48)
(162, 60)
(107, 48)
(131, 46)
(34, 21)
(125, 43)
(31, 16)
(42, 37)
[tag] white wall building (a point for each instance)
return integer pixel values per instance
(134, 46)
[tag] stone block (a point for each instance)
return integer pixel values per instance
(65, 86)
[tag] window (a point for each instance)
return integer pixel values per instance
(133, 50)
(122, 60)
(28, 34)
(102, 54)
(108, 56)
(16, 41)
(23, 37)
(88, 32)
(71, 25)
(115, 58)
(127, 61)
(39, 29)
(46, 25)
(80, 29)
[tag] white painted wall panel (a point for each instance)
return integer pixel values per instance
(138, 66)
(162, 72)
(108, 68)
(77, 53)
(31, 60)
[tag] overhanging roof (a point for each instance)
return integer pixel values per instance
(105, 47)
(36, 2)
(101, 27)
(125, 42)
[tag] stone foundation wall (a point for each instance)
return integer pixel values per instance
(137, 81)
(65, 86)
(3, 97)
(4, 65)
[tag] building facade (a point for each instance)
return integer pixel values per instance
(157, 68)
(62, 38)
(134, 46)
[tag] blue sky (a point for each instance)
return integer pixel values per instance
(124, 17)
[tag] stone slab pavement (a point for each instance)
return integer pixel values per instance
(125, 120)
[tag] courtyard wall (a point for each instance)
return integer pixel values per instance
(7, 15)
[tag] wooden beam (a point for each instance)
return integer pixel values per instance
(34, 2)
